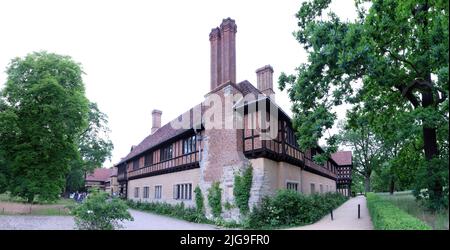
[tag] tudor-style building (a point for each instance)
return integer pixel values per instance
(170, 162)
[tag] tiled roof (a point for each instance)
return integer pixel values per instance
(166, 132)
(161, 135)
(100, 174)
(342, 157)
(246, 88)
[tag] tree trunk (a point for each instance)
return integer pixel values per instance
(366, 184)
(431, 151)
(391, 186)
(30, 198)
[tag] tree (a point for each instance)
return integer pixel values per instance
(367, 149)
(100, 212)
(94, 147)
(42, 114)
(398, 50)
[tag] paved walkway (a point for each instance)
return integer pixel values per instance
(142, 221)
(345, 217)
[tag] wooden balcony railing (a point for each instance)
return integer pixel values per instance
(182, 162)
(280, 150)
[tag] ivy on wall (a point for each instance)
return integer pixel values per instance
(241, 190)
(199, 200)
(215, 199)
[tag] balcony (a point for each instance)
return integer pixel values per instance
(179, 163)
(280, 150)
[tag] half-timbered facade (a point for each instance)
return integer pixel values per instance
(171, 162)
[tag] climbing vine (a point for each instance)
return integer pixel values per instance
(241, 191)
(215, 199)
(199, 200)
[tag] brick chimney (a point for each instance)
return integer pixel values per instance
(223, 53)
(264, 80)
(156, 120)
(228, 31)
(216, 60)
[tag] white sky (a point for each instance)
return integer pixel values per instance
(144, 55)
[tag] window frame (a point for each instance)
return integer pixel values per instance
(189, 145)
(290, 184)
(166, 153)
(158, 192)
(182, 191)
(146, 192)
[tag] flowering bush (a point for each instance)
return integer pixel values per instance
(99, 212)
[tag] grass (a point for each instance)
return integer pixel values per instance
(16, 205)
(6, 197)
(386, 215)
(407, 202)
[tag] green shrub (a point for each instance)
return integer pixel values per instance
(386, 216)
(99, 212)
(241, 190)
(215, 199)
(177, 211)
(290, 208)
(199, 201)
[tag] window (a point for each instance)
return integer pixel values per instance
(313, 188)
(158, 192)
(145, 194)
(166, 153)
(189, 145)
(290, 137)
(136, 192)
(292, 186)
(148, 159)
(321, 188)
(182, 191)
(135, 164)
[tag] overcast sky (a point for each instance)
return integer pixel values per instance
(144, 55)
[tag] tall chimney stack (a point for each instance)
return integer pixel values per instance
(216, 60)
(228, 31)
(156, 120)
(265, 80)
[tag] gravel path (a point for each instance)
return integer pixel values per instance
(142, 220)
(345, 217)
(33, 222)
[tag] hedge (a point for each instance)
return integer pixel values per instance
(177, 211)
(386, 216)
(290, 208)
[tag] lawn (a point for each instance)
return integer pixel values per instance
(407, 202)
(15, 205)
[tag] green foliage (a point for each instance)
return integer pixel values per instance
(49, 131)
(391, 63)
(215, 199)
(177, 211)
(3, 174)
(241, 190)
(94, 148)
(199, 200)
(290, 208)
(386, 216)
(99, 212)
(43, 111)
